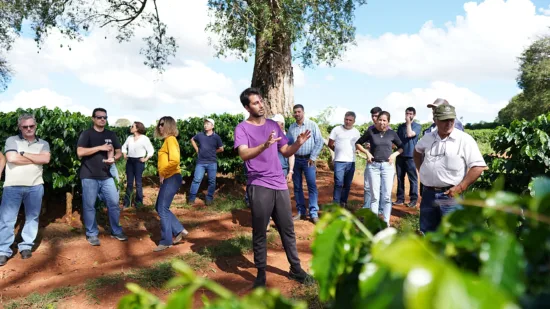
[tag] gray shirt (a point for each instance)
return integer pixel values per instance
(26, 174)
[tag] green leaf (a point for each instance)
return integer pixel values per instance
(504, 263)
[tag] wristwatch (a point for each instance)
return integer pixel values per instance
(21, 152)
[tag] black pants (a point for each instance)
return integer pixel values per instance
(134, 171)
(266, 203)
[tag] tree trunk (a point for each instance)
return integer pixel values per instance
(273, 74)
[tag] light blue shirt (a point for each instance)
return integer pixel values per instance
(313, 145)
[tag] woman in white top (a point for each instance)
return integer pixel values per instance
(136, 150)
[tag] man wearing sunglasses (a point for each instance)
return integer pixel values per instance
(449, 161)
(26, 154)
(94, 146)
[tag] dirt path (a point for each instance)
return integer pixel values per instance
(64, 258)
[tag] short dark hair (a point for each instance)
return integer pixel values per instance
(350, 113)
(298, 106)
(99, 109)
(411, 109)
(247, 93)
(375, 110)
(382, 113)
(140, 127)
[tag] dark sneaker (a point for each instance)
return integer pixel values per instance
(397, 203)
(161, 248)
(208, 203)
(411, 204)
(299, 275)
(3, 260)
(314, 220)
(259, 282)
(120, 237)
(26, 254)
(181, 236)
(299, 217)
(93, 240)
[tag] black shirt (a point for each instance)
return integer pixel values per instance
(93, 166)
(380, 143)
(207, 147)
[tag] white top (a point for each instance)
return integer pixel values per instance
(447, 161)
(138, 148)
(344, 143)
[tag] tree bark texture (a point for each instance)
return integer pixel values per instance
(273, 74)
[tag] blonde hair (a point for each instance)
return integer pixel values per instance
(170, 127)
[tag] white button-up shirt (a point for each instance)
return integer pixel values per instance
(447, 161)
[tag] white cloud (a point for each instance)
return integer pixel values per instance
(42, 97)
(482, 44)
(299, 77)
(469, 105)
(329, 78)
(337, 114)
(545, 11)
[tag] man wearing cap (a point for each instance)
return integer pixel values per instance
(449, 161)
(342, 141)
(435, 104)
(209, 144)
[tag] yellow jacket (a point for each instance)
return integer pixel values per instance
(169, 158)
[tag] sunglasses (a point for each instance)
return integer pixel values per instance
(101, 117)
(161, 124)
(28, 127)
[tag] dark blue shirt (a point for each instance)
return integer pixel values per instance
(207, 147)
(408, 143)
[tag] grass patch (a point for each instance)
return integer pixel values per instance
(228, 203)
(93, 285)
(310, 294)
(232, 246)
(36, 300)
(196, 261)
(152, 277)
(408, 223)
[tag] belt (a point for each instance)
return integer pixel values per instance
(380, 161)
(438, 189)
(303, 157)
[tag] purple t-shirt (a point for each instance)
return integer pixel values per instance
(264, 170)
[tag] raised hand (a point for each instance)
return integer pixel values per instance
(271, 140)
(303, 137)
(106, 147)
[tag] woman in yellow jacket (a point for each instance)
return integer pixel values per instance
(170, 179)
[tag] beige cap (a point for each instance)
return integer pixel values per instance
(278, 118)
(210, 120)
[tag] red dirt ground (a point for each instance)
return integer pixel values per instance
(64, 258)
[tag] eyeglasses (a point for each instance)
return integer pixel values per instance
(444, 148)
(161, 124)
(101, 117)
(28, 127)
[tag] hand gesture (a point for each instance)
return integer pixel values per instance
(454, 191)
(391, 159)
(142, 160)
(125, 156)
(310, 162)
(370, 158)
(408, 119)
(106, 147)
(303, 137)
(161, 179)
(271, 140)
(289, 177)
(109, 161)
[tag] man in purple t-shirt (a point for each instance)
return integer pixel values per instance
(267, 190)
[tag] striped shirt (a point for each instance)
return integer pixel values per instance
(313, 145)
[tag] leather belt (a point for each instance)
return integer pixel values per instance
(303, 157)
(438, 189)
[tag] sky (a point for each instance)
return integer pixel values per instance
(408, 53)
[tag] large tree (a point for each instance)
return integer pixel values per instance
(76, 18)
(277, 31)
(534, 80)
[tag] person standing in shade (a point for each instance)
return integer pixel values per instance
(26, 154)
(449, 161)
(374, 112)
(93, 147)
(258, 140)
(209, 144)
(286, 163)
(170, 182)
(408, 132)
(304, 162)
(342, 141)
(137, 149)
(380, 163)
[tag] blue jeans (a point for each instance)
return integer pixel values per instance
(211, 169)
(170, 226)
(300, 165)
(406, 166)
(343, 176)
(381, 182)
(11, 201)
(431, 213)
(106, 188)
(134, 171)
(366, 189)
